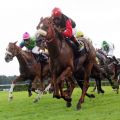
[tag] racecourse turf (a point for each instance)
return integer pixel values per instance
(103, 107)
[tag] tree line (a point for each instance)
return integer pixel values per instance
(6, 79)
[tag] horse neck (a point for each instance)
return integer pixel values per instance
(22, 59)
(54, 48)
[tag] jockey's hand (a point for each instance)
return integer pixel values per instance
(60, 30)
(27, 50)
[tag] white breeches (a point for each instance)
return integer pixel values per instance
(110, 53)
(37, 50)
(74, 31)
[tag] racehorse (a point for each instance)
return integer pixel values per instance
(62, 63)
(109, 66)
(29, 69)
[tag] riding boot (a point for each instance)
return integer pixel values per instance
(114, 58)
(42, 57)
(36, 57)
(75, 42)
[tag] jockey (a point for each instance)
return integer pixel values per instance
(30, 44)
(108, 49)
(79, 34)
(67, 25)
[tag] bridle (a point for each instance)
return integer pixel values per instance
(15, 52)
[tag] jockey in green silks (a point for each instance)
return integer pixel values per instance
(108, 49)
(30, 44)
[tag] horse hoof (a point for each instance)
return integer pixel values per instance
(67, 99)
(78, 107)
(10, 98)
(92, 96)
(117, 91)
(30, 94)
(35, 101)
(44, 92)
(115, 86)
(68, 104)
(56, 96)
(102, 91)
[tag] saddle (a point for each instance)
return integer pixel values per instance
(79, 49)
(112, 59)
(83, 42)
(41, 57)
(83, 46)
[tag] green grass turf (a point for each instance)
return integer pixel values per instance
(103, 107)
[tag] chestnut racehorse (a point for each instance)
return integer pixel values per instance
(29, 69)
(62, 63)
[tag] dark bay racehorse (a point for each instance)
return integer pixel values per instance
(99, 73)
(62, 62)
(29, 69)
(110, 66)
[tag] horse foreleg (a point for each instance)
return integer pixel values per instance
(11, 92)
(70, 88)
(95, 87)
(66, 75)
(84, 90)
(80, 83)
(10, 97)
(37, 84)
(38, 88)
(39, 95)
(85, 85)
(48, 88)
(55, 87)
(30, 89)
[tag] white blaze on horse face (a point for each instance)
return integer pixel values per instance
(8, 55)
(40, 32)
(7, 52)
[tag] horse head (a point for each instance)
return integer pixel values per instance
(46, 28)
(11, 51)
(40, 42)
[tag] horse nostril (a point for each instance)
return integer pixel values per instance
(6, 59)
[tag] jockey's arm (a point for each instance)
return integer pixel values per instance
(68, 30)
(33, 41)
(22, 44)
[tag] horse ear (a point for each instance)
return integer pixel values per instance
(15, 42)
(41, 18)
